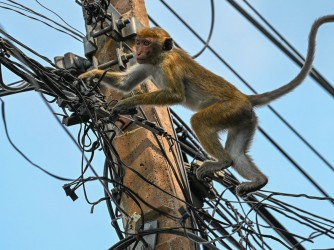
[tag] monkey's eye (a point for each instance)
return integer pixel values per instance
(146, 43)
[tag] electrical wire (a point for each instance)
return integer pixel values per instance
(300, 169)
(79, 33)
(210, 32)
(212, 230)
(314, 74)
(73, 33)
(3, 114)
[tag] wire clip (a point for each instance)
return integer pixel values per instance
(149, 125)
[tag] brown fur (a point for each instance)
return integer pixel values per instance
(219, 105)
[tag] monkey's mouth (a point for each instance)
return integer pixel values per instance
(141, 59)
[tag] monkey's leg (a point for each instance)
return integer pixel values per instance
(207, 123)
(237, 144)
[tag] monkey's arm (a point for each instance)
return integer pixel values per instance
(124, 81)
(173, 93)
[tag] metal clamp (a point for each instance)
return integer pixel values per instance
(120, 27)
(121, 59)
(73, 63)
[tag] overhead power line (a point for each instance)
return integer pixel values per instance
(18, 8)
(314, 73)
(210, 32)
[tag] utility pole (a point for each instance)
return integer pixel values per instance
(142, 150)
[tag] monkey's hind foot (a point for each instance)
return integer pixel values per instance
(210, 167)
(245, 188)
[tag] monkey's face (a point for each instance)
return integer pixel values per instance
(144, 50)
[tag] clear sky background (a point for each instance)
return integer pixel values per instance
(35, 212)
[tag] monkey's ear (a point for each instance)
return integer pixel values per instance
(168, 44)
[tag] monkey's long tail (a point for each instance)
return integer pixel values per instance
(267, 97)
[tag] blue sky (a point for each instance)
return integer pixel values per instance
(34, 211)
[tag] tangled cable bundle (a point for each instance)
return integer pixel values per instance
(218, 218)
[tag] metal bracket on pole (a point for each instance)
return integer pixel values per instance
(119, 27)
(148, 241)
(116, 27)
(89, 46)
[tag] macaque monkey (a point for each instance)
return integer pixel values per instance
(218, 104)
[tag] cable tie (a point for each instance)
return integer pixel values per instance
(150, 126)
(184, 215)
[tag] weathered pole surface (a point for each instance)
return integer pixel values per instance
(139, 148)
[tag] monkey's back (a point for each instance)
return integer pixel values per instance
(201, 86)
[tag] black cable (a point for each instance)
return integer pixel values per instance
(75, 33)
(314, 183)
(210, 32)
(314, 74)
(131, 239)
(26, 47)
(114, 222)
(79, 32)
(20, 152)
(135, 194)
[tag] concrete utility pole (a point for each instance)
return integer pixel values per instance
(139, 148)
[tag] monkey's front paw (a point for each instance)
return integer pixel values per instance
(89, 75)
(121, 108)
(200, 173)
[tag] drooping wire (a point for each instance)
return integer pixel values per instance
(3, 114)
(72, 30)
(210, 32)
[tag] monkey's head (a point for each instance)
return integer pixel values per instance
(151, 43)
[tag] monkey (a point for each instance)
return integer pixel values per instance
(218, 104)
